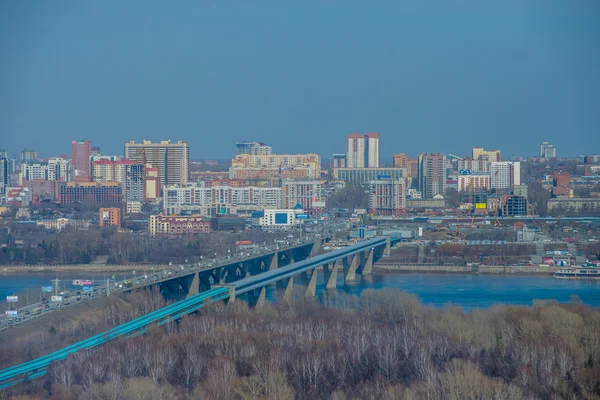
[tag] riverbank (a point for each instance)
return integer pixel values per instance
(455, 269)
(95, 268)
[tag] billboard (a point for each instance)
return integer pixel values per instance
(301, 216)
(82, 282)
(12, 313)
(480, 205)
(46, 288)
(12, 299)
(360, 211)
(56, 299)
(318, 204)
(106, 217)
(549, 261)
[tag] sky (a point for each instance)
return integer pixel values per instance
(428, 75)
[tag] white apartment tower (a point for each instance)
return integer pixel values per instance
(362, 151)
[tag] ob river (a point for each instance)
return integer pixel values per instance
(467, 291)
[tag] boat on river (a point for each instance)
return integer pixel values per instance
(578, 273)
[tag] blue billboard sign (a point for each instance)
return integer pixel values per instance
(46, 288)
(302, 216)
(465, 172)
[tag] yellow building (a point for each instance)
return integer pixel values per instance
(491, 155)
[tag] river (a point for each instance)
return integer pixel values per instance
(467, 291)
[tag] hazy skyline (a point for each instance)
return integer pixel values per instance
(438, 76)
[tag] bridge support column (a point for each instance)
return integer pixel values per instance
(256, 298)
(330, 271)
(195, 285)
(311, 283)
(288, 294)
(350, 269)
(388, 248)
(316, 248)
(368, 267)
(274, 263)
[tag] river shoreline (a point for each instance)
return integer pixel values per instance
(394, 269)
(92, 268)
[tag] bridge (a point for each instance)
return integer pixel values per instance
(353, 260)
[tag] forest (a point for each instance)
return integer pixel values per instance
(383, 345)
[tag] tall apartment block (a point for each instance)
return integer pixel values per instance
(387, 196)
(80, 158)
(339, 160)
(505, 175)
(480, 153)
(28, 155)
(432, 174)
(253, 148)
(401, 160)
(362, 151)
(4, 174)
(126, 172)
(547, 150)
(171, 159)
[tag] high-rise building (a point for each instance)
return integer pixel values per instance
(362, 151)
(490, 155)
(95, 151)
(55, 169)
(302, 192)
(401, 160)
(253, 148)
(432, 175)
(505, 175)
(126, 172)
(28, 155)
(387, 196)
(469, 164)
(151, 183)
(474, 182)
(339, 161)
(80, 159)
(4, 174)
(171, 159)
(547, 150)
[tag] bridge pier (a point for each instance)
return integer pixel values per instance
(257, 297)
(274, 261)
(350, 268)
(388, 247)
(285, 289)
(310, 282)
(195, 285)
(368, 267)
(330, 272)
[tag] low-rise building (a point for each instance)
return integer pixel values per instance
(91, 193)
(133, 207)
(178, 224)
(110, 217)
(276, 219)
(579, 205)
(359, 176)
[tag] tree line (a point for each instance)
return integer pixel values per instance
(383, 345)
(36, 245)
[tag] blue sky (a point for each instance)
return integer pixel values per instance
(429, 75)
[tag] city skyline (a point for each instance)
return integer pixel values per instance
(427, 81)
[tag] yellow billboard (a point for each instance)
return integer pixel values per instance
(480, 205)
